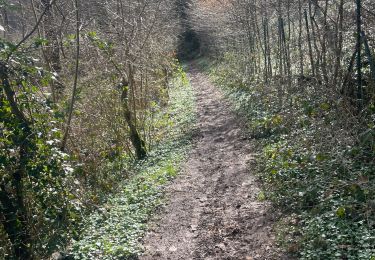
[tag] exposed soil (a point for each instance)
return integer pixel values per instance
(212, 210)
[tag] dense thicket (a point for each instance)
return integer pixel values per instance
(81, 83)
(303, 72)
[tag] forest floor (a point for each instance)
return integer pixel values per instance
(212, 209)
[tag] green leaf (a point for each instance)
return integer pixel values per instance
(325, 106)
(40, 41)
(340, 212)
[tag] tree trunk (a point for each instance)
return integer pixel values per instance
(324, 45)
(137, 142)
(314, 39)
(270, 71)
(369, 55)
(265, 50)
(339, 42)
(52, 50)
(310, 45)
(75, 82)
(301, 72)
(359, 58)
(284, 45)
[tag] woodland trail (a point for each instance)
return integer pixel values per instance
(212, 210)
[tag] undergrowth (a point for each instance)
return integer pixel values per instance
(114, 231)
(315, 160)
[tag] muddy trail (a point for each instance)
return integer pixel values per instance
(212, 210)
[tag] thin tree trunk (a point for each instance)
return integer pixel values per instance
(359, 59)
(137, 142)
(269, 50)
(280, 42)
(301, 72)
(286, 52)
(5, 22)
(324, 45)
(74, 91)
(369, 55)
(310, 45)
(314, 39)
(265, 50)
(52, 50)
(339, 43)
(345, 84)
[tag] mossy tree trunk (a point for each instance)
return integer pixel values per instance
(135, 138)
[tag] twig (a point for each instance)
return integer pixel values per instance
(35, 26)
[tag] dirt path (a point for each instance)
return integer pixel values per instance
(212, 210)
